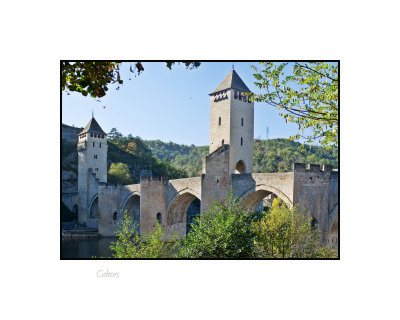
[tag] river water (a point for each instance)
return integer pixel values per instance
(86, 248)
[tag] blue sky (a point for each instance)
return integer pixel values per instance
(169, 105)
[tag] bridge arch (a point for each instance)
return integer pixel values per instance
(94, 207)
(253, 196)
(178, 214)
(131, 204)
(333, 230)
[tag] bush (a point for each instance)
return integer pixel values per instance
(150, 244)
(226, 231)
(288, 233)
(223, 232)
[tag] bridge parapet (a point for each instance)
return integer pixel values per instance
(312, 167)
(152, 178)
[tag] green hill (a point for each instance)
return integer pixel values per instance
(269, 155)
(183, 157)
(180, 161)
(130, 150)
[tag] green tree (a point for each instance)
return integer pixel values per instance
(119, 173)
(287, 233)
(150, 244)
(93, 77)
(114, 134)
(307, 95)
(223, 231)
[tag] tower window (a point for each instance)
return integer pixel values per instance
(219, 121)
(241, 141)
(242, 122)
(100, 145)
(95, 156)
(236, 94)
(91, 134)
(115, 215)
(95, 135)
(240, 96)
(93, 144)
(222, 142)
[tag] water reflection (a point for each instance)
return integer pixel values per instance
(86, 248)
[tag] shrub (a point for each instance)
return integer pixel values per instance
(150, 244)
(223, 232)
(288, 233)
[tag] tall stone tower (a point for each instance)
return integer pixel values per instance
(232, 122)
(92, 170)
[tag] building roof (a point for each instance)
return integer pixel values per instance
(232, 81)
(93, 126)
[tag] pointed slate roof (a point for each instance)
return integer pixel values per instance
(93, 126)
(232, 81)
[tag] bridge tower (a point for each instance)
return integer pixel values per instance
(232, 122)
(92, 170)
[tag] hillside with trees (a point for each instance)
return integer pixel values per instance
(183, 157)
(275, 155)
(128, 156)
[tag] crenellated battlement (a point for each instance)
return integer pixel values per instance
(153, 178)
(303, 167)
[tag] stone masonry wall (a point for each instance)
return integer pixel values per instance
(112, 198)
(241, 110)
(312, 192)
(220, 108)
(152, 201)
(216, 182)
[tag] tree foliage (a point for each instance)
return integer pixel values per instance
(279, 155)
(288, 233)
(272, 155)
(94, 77)
(182, 157)
(135, 153)
(226, 231)
(131, 245)
(119, 173)
(307, 95)
(223, 231)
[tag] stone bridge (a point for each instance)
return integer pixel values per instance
(229, 166)
(171, 202)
